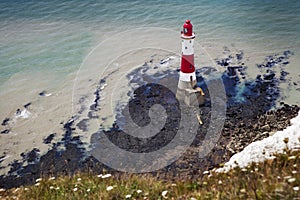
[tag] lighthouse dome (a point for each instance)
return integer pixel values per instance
(188, 28)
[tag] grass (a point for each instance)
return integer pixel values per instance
(273, 179)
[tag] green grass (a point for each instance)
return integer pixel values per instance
(273, 179)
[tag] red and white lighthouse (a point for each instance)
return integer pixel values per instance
(187, 69)
(187, 78)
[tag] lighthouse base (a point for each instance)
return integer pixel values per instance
(188, 95)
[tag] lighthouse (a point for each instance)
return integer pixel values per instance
(187, 90)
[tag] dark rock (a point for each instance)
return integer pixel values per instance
(49, 138)
(287, 53)
(82, 125)
(27, 105)
(94, 107)
(2, 158)
(231, 71)
(6, 131)
(5, 121)
(92, 115)
(269, 76)
(240, 56)
(285, 63)
(265, 128)
(31, 156)
(18, 111)
(43, 93)
(271, 118)
(15, 166)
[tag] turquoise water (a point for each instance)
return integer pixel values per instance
(55, 36)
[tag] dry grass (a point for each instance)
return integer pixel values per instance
(273, 179)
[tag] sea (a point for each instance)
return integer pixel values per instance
(54, 53)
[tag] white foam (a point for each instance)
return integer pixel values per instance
(48, 94)
(265, 149)
(103, 86)
(23, 114)
(166, 62)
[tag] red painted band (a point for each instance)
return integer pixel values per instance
(187, 64)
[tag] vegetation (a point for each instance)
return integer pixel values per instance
(278, 178)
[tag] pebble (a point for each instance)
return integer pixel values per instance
(265, 128)
(45, 94)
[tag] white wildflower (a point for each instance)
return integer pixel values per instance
(99, 176)
(272, 157)
(57, 188)
(128, 196)
(52, 178)
(38, 180)
(16, 190)
(173, 185)
(244, 170)
(139, 191)
(291, 157)
(164, 194)
(51, 187)
(243, 190)
(75, 189)
(109, 188)
(106, 176)
(88, 190)
(26, 189)
(220, 182)
(294, 172)
(37, 184)
(287, 177)
(192, 198)
(206, 172)
(296, 188)
(2, 190)
(291, 180)
(79, 179)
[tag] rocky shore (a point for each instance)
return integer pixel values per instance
(254, 111)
